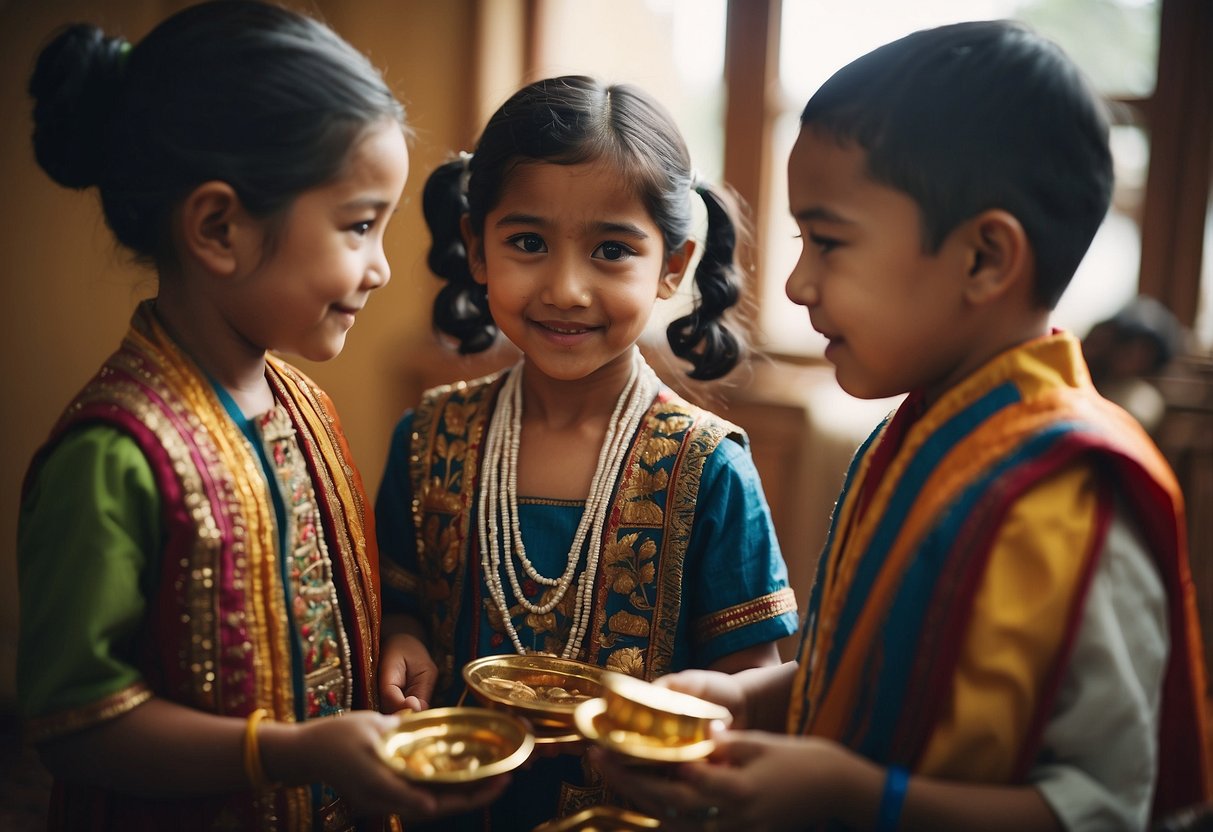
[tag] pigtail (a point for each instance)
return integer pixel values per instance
(701, 337)
(461, 308)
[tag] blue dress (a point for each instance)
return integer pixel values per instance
(690, 570)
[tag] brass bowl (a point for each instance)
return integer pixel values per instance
(649, 723)
(601, 819)
(543, 689)
(456, 745)
(667, 715)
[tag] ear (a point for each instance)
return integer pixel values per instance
(998, 257)
(475, 250)
(216, 230)
(675, 269)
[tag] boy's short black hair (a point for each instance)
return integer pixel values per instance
(980, 115)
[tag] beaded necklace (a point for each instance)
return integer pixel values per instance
(498, 504)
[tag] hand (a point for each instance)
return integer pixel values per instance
(407, 674)
(753, 781)
(721, 688)
(344, 752)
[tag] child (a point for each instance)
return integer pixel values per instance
(1002, 632)
(198, 580)
(573, 505)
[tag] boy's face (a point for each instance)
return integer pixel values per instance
(893, 314)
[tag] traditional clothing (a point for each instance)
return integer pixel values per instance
(690, 568)
(190, 577)
(955, 579)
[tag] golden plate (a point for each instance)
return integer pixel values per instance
(523, 685)
(591, 721)
(601, 819)
(456, 745)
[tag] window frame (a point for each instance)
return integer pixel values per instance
(1178, 117)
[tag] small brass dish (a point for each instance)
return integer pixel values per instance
(601, 819)
(543, 689)
(655, 711)
(596, 726)
(456, 745)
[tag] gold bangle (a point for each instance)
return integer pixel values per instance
(252, 752)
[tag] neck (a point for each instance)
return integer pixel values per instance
(230, 360)
(559, 404)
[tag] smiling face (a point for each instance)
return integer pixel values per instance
(573, 264)
(327, 255)
(895, 315)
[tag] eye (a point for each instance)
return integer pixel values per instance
(530, 243)
(613, 251)
(824, 244)
(362, 228)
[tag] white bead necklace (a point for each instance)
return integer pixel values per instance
(500, 480)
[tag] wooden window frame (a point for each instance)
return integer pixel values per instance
(1178, 116)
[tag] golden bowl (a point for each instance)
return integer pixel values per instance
(649, 723)
(456, 745)
(601, 819)
(651, 710)
(544, 689)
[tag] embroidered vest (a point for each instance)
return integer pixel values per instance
(219, 633)
(644, 543)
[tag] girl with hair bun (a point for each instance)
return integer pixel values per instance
(198, 573)
(573, 504)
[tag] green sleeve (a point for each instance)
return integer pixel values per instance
(88, 533)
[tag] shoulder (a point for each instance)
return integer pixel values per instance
(90, 459)
(300, 384)
(699, 425)
(466, 389)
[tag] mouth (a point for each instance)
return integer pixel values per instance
(564, 328)
(346, 310)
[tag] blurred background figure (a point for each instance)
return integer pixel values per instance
(1127, 351)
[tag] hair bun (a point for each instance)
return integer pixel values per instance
(74, 85)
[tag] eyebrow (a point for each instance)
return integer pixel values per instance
(626, 229)
(820, 213)
(366, 202)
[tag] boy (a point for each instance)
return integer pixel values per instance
(1002, 633)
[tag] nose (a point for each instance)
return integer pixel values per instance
(801, 287)
(378, 272)
(566, 287)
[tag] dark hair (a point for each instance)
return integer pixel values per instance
(260, 97)
(567, 121)
(980, 115)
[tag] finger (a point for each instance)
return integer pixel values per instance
(739, 747)
(421, 683)
(412, 703)
(658, 791)
(455, 801)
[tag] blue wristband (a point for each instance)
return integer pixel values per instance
(895, 785)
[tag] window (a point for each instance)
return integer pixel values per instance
(1114, 41)
(735, 74)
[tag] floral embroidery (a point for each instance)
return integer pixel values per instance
(314, 607)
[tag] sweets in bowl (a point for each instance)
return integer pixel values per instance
(648, 722)
(456, 745)
(542, 689)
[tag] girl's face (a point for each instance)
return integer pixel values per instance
(573, 264)
(328, 255)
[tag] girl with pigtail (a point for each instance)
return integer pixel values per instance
(573, 504)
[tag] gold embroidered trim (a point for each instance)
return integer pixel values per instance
(58, 724)
(254, 534)
(742, 615)
(343, 495)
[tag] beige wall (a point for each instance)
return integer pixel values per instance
(68, 292)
